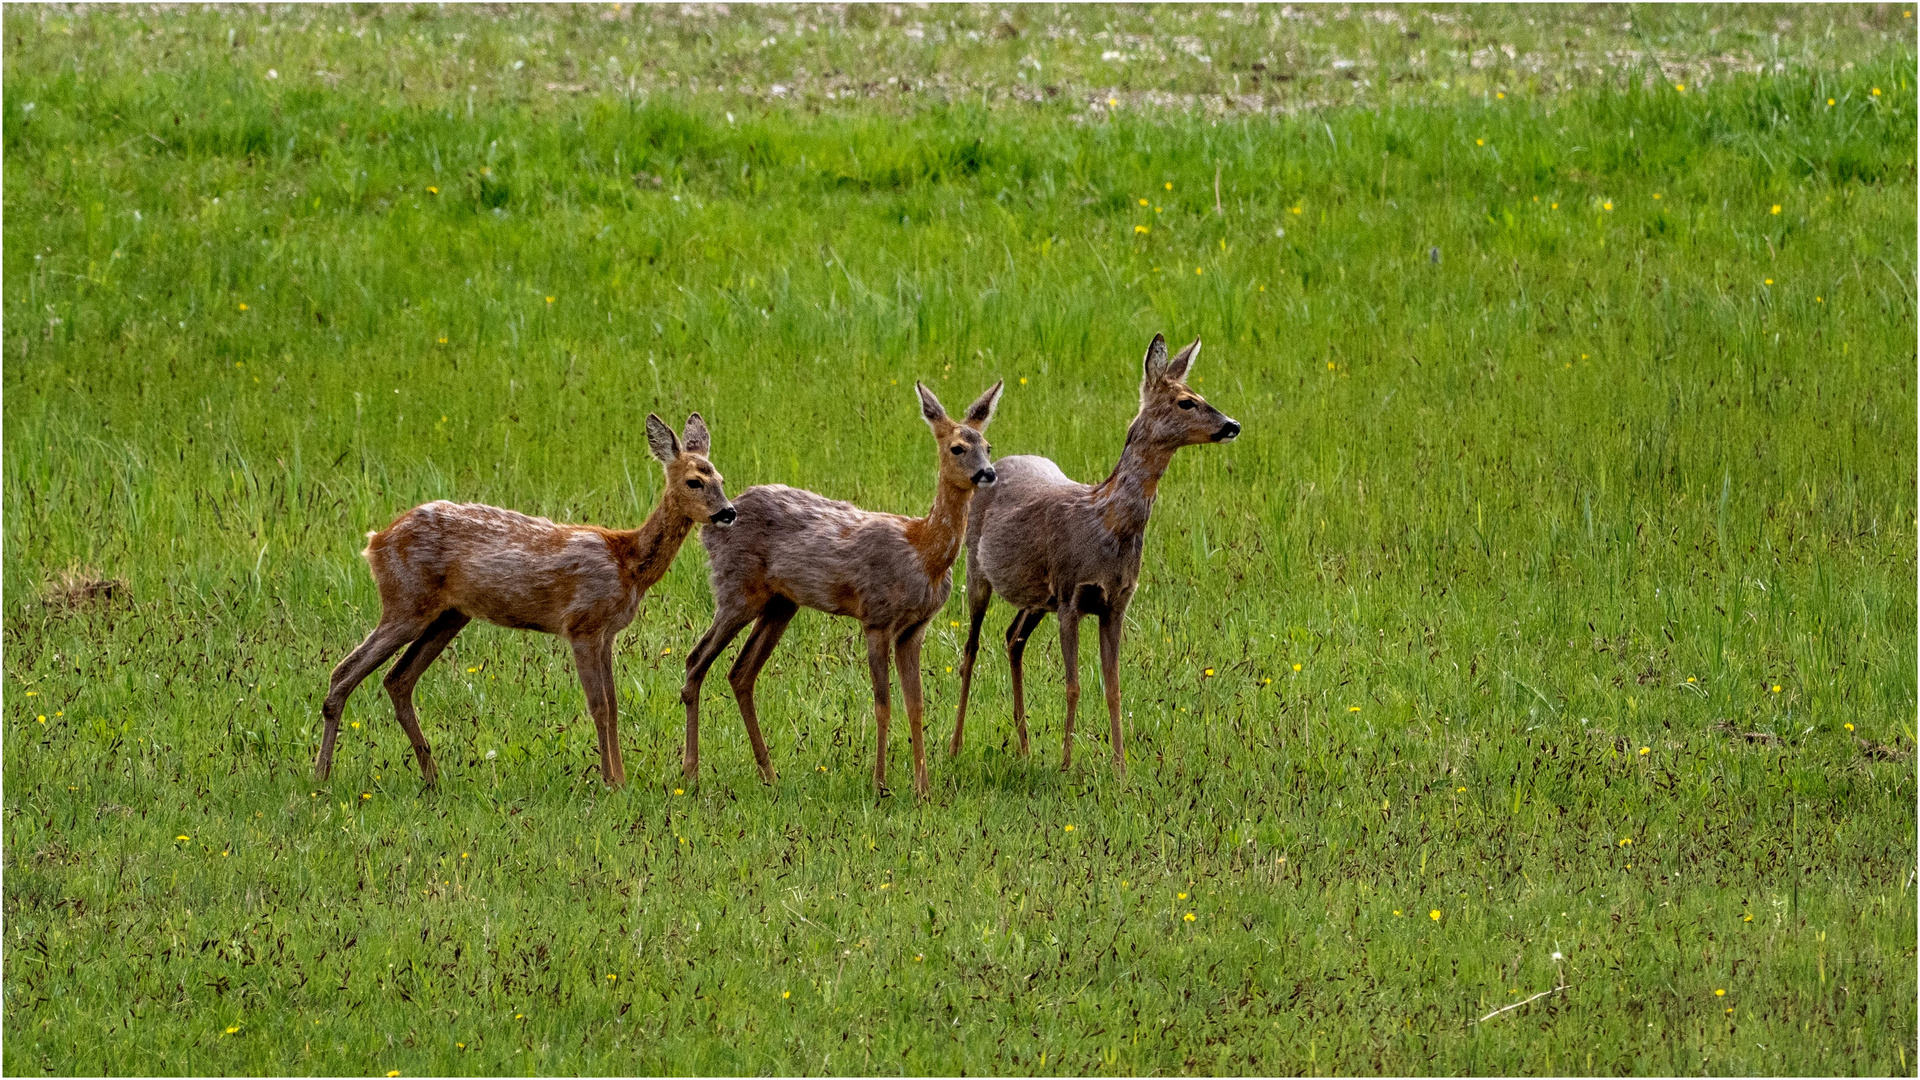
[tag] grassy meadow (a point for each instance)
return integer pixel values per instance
(1551, 627)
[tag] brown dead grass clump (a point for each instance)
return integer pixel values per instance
(80, 587)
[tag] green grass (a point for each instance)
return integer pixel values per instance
(1508, 538)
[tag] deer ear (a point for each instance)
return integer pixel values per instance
(661, 441)
(697, 439)
(930, 407)
(1156, 365)
(1182, 361)
(982, 408)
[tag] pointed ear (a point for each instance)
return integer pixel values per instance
(696, 439)
(1182, 361)
(1156, 365)
(930, 407)
(661, 441)
(982, 408)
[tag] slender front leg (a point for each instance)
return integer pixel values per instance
(746, 670)
(401, 680)
(385, 640)
(978, 615)
(906, 657)
(593, 657)
(726, 623)
(1022, 625)
(1110, 623)
(879, 645)
(1070, 660)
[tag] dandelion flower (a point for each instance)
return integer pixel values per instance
(1691, 679)
(613, 978)
(1656, 194)
(356, 723)
(1113, 101)
(1876, 91)
(679, 791)
(1434, 914)
(1644, 751)
(1682, 87)
(431, 190)
(1179, 896)
(443, 340)
(182, 838)
(1396, 911)
(1626, 841)
(1829, 103)
(1208, 672)
(463, 854)
(785, 994)
(1199, 270)
(1499, 94)
(1776, 686)
(243, 307)
(1849, 727)
(1459, 791)
(1353, 708)
(471, 670)
(1296, 667)
(1170, 183)
(1141, 229)
(1720, 993)
(1069, 828)
(1776, 208)
(1295, 210)
(1143, 202)
(1606, 205)
(549, 299)
(1329, 365)
(42, 718)
(1553, 206)
(393, 1072)
(1748, 919)
(1479, 142)
(1023, 382)
(1189, 916)
(366, 795)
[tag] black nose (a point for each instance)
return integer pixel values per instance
(985, 477)
(726, 516)
(1231, 430)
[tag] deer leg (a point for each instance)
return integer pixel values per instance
(879, 644)
(1023, 624)
(978, 615)
(746, 671)
(726, 623)
(401, 680)
(593, 660)
(1110, 623)
(906, 657)
(1070, 660)
(385, 640)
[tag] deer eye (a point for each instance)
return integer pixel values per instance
(695, 485)
(958, 450)
(1186, 403)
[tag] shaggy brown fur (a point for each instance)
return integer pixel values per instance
(794, 549)
(1046, 543)
(443, 564)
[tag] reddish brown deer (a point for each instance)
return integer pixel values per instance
(1046, 543)
(441, 565)
(794, 549)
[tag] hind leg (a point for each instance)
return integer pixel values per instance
(413, 664)
(385, 640)
(746, 670)
(979, 598)
(593, 661)
(1023, 624)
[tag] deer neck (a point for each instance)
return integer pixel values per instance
(649, 549)
(937, 536)
(1125, 499)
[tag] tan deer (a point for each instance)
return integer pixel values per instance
(441, 565)
(1046, 543)
(794, 549)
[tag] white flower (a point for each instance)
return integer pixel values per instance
(1556, 952)
(272, 74)
(491, 754)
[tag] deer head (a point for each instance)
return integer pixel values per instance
(1171, 414)
(693, 485)
(965, 455)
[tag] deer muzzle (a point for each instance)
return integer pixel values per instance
(725, 517)
(1228, 431)
(985, 477)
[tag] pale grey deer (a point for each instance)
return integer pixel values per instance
(1046, 543)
